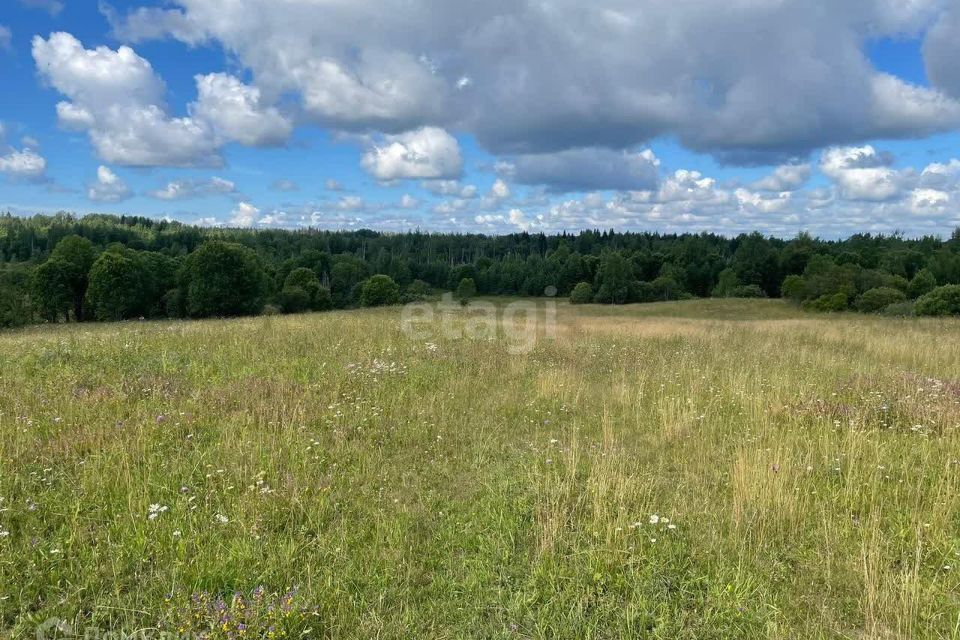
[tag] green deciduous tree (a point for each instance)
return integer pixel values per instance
(728, 282)
(615, 279)
(922, 284)
(16, 303)
(666, 288)
(346, 273)
(120, 287)
(466, 290)
(64, 278)
(52, 290)
(582, 294)
(294, 299)
(318, 296)
(824, 277)
(794, 288)
(223, 279)
(757, 262)
(379, 290)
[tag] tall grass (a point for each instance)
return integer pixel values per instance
(667, 471)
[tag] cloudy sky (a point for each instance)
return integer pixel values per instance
(496, 116)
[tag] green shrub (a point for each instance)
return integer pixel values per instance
(922, 284)
(900, 310)
(794, 288)
(942, 301)
(582, 294)
(876, 300)
(746, 291)
(322, 300)
(294, 299)
(828, 303)
(666, 288)
(727, 283)
(466, 290)
(318, 297)
(379, 291)
(824, 277)
(643, 292)
(875, 279)
(175, 303)
(15, 304)
(418, 290)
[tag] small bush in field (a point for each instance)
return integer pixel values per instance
(828, 304)
(466, 290)
(876, 300)
(900, 310)
(418, 290)
(294, 299)
(943, 301)
(746, 291)
(582, 294)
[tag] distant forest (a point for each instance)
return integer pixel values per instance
(64, 268)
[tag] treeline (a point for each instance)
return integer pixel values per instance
(63, 268)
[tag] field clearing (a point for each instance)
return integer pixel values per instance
(707, 469)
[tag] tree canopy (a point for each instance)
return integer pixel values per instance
(160, 268)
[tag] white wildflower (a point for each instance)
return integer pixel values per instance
(154, 511)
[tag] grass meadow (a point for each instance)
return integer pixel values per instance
(706, 469)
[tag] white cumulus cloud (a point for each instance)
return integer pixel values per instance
(108, 187)
(788, 177)
(245, 215)
(23, 164)
(236, 113)
(427, 153)
(500, 190)
(118, 99)
(183, 189)
(862, 173)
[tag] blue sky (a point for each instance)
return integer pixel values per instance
(512, 116)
